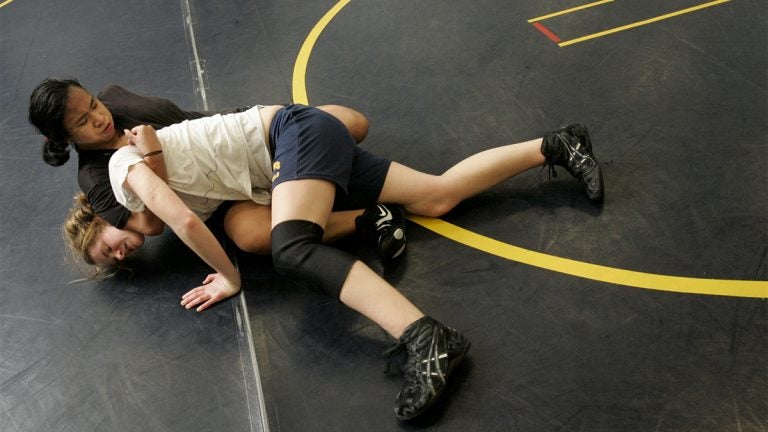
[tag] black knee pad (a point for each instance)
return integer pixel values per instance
(298, 251)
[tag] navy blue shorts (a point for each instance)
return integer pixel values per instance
(311, 144)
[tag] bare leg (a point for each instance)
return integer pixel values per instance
(363, 290)
(430, 195)
(356, 122)
(432, 349)
(372, 296)
(341, 224)
(248, 225)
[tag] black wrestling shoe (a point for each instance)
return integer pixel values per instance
(433, 351)
(571, 148)
(386, 225)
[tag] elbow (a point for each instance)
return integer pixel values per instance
(187, 223)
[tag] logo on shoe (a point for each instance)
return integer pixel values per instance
(384, 216)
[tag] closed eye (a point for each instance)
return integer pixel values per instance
(84, 119)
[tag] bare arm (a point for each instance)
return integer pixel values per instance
(146, 222)
(145, 139)
(164, 202)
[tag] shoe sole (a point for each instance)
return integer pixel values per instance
(399, 235)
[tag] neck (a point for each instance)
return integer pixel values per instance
(115, 143)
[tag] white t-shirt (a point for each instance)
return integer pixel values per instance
(208, 161)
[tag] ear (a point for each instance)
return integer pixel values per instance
(100, 222)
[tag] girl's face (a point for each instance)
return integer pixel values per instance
(87, 121)
(113, 245)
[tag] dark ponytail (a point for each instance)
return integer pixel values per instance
(47, 104)
(55, 153)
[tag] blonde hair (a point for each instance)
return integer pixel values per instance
(80, 230)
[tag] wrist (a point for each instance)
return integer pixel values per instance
(234, 280)
(153, 153)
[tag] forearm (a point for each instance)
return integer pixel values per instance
(149, 146)
(156, 162)
(166, 205)
(195, 234)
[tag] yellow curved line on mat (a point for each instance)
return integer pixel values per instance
(300, 67)
(5, 3)
(734, 288)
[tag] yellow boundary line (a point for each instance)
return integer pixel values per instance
(5, 3)
(733, 288)
(300, 67)
(567, 11)
(641, 23)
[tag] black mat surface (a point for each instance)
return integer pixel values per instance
(677, 111)
(121, 354)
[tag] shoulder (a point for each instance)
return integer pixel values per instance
(123, 104)
(127, 155)
(119, 94)
(114, 92)
(130, 109)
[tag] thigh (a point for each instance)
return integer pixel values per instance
(307, 199)
(248, 225)
(416, 191)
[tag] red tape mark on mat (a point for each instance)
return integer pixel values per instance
(547, 32)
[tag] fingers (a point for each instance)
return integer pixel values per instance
(213, 290)
(205, 305)
(194, 297)
(204, 296)
(207, 299)
(131, 136)
(192, 293)
(135, 134)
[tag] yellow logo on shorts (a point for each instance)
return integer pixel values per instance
(275, 170)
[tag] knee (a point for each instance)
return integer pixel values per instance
(356, 123)
(247, 225)
(435, 206)
(358, 126)
(292, 244)
(249, 238)
(298, 252)
(254, 242)
(438, 208)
